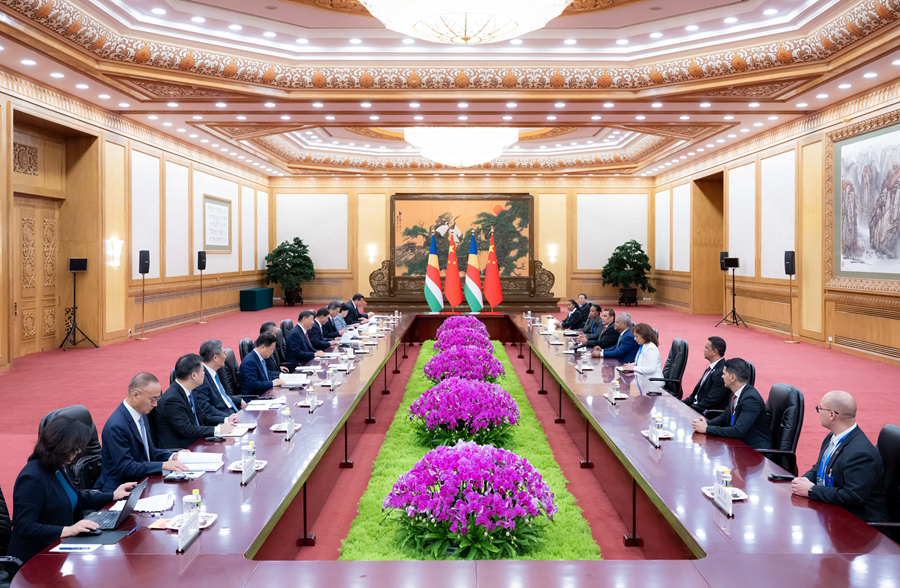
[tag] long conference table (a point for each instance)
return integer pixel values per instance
(774, 538)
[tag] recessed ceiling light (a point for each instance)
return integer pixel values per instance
(757, 124)
(516, 42)
(570, 41)
(845, 86)
(382, 147)
(158, 11)
(622, 42)
(511, 104)
(770, 12)
(285, 117)
(870, 75)
(303, 41)
(235, 27)
(310, 133)
(329, 117)
(414, 104)
(197, 117)
(729, 117)
(710, 145)
(730, 20)
(543, 146)
(269, 105)
(705, 105)
(242, 117)
(897, 62)
(366, 105)
(355, 41)
(153, 117)
(408, 41)
(221, 105)
(655, 35)
(463, 105)
(801, 105)
(224, 149)
(172, 105)
(193, 135)
(821, 96)
(595, 117)
(181, 130)
(57, 75)
(720, 140)
(691, 28)
(608, 105)
(268, 34)
(373, 117)
(691, 153)
(773, 118)
(559, 144)
(419, 118)
(656, 105)
(560, 105)
(28, 62)
(204, 140)
(240, 157)
(753, 105)
(732, 136)
(167, 124)
(640, 117)
(103, 96)
(551, 118)
(701, 149)
(507, 117)
(684, 117)
(82, 86)
(198, 19)
(463, 117)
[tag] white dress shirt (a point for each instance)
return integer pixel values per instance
(648, 362)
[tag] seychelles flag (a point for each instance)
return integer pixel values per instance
(433, 280)
(473, 279)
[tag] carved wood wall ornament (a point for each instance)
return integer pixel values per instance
(49, 322)
(28, 324)
(380, 279)
(25, 159)
(49, 252)
(28, 269)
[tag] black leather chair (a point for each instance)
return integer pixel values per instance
(673, 371)
(85, 468)
(8, 564)
(785, 407)
(287, 326)
(752, 380)
(279, 346)
(889, 448)
(228, 374)
(245, 347)
(171, 377)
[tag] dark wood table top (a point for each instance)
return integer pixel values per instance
(774, 538)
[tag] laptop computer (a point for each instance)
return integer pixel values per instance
(109, 520)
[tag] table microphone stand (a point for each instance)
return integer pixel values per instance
(732, 317)
(70, 336)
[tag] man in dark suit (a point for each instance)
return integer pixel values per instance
(849, 471)
(746, 417)
(606, 335)
(356, 315)
(272, 362)
(299, 347)
(331, 329)
(317, 332)
(210, 396)
(179, 422)
(710, 393)
(128, 453)
(255, 378)
(575, 320)
(626, 348)
(583, 305)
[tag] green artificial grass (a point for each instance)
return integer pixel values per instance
(372, 537)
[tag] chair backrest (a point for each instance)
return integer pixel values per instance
(287, 326)
(245, 347)
(151, 418)
(228, 374)
(85, 468)
(676, 363)
(279, 347)
(5, 525)
(172, 377)
(785, 407)
(752, 380)
(889, 448)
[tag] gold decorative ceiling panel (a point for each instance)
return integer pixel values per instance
(389, 135)
(357, 9)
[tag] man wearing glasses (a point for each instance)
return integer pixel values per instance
(128, 453)
(849, 471)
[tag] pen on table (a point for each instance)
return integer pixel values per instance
(75, 548)
(136, 527)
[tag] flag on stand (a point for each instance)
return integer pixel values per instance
(493, 291)
(433, 280)
(473, 279)
(452, 286)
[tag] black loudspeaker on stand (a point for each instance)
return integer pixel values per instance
(143, 269)
(201, 265)
(790, 268)
(732, 318)
(76, 266)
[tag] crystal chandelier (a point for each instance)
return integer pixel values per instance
(461, 146)
(465, 22)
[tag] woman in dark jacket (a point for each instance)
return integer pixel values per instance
(46, 505)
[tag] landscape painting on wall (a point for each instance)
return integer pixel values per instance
(416, 217)
(867, 190)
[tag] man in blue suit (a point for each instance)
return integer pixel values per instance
(255, 378)
(356, 315)
(625, 350)
(317, 335)
(128, 453)
(331, 330)
(210, 396)
(299, 348)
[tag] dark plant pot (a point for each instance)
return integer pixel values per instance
(291, 298)
(628, 296)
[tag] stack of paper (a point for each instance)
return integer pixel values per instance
(202, 462)
(294, 379)
(240, 430)
(157, 503)
(266, 403)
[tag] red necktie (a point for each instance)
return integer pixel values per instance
(307, 338)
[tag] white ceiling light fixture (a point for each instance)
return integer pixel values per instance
(159, 11)
(570, 41)
(870, 75)
(516, 42)
(461, 146)
(655, 35)
(845, 86)
(622, 42)
(770, 12)
(269, 34)
(82, 86)
(731, 20)
(198, 19)
(235, 27)
(197, 117)
(221, 105)
(691, 28)
(28, 62)
(57, 75)
(355, 41)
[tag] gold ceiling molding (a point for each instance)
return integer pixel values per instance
(156, 89)
(355, 8)
(680, 130)
(556, 182)
(69, 21)
(752, 90)
(240, 132)
(43, 97)
(389, 135)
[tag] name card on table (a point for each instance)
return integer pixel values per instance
(289, 432)
(248, 467)
(189, 530)
(653, 435)
(722, 498)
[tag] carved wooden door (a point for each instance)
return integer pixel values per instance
(36, 275)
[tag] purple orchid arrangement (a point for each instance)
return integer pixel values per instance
(471, 363)
(462, 322)
(471, 501)
(468, 410)
(463, 337)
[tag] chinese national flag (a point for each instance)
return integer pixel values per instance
(452, 285)
(492, 289)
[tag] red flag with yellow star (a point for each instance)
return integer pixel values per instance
(493, 291)
(452, 285)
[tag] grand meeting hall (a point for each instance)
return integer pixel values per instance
(499, 293)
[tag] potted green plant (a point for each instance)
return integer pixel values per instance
(627, 268)
(289, 264)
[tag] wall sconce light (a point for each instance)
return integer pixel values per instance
(372, 250)
(552, 250)
(114, 252)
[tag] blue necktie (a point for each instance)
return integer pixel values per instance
(227, 398)
(193, 409)
(641, 348)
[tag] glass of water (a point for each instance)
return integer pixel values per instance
(331, 377)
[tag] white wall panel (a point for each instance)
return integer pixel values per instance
(320, 220)
(663, 227)
(681, 228)
(248, 229)
(606, 221)
(777, 204)
(262, 228)
(178, 202)
(144, 211)
(742, 217)
(215, 186)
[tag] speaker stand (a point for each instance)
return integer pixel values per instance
(732, 318)
(70, 336)
(791, 306)
(201, 321)
(143, 304)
